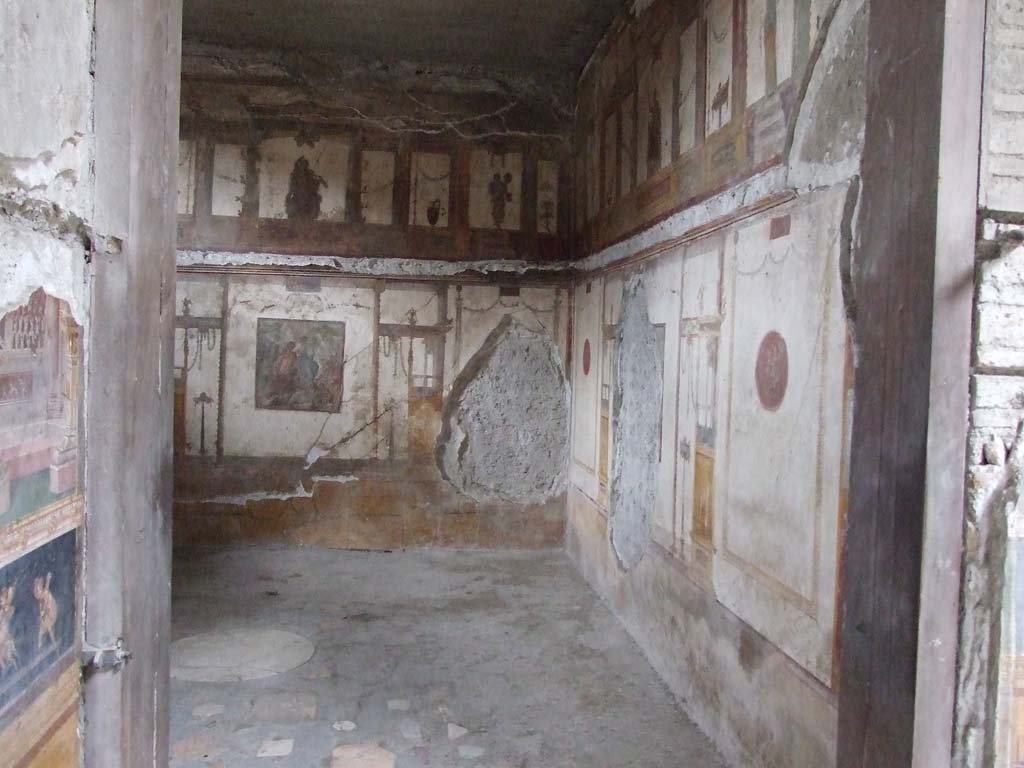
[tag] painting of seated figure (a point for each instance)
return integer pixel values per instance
(300, 365)
(304, 178)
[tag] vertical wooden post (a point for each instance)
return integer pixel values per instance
(912, 287)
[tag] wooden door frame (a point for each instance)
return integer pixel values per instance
(129, 379)
(914, 286)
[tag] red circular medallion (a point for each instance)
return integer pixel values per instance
(772, 371)
(586, 357)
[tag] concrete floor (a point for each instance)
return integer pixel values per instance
(407, 650)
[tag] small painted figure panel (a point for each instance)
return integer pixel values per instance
(300, 365)
(37, 620)
(495, 193)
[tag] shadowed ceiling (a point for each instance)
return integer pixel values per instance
(547, 39)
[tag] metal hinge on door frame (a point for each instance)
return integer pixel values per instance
(104, 658)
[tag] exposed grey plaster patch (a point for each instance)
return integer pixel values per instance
(505, 433)
(828, 131)
(639, 385)
(30, 260)
(993, 498)
(369, 267)
(737, 197)
(45, 53)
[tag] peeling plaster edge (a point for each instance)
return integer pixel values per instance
(300, 492)
(30, 260)
(242, 500)
(341, 479)
(810, 176)
(366, 267)
(721, 207)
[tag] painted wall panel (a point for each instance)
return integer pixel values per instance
(229, 177)
(587, 352)
(785, 415)
(431, 189)
(496, 190)
(378, 192)
(250, 431)
(720, 82)
(688, 86)
(304, 179)
(548, 192)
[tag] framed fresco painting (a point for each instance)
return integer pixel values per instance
(300, 365)
(37, 619)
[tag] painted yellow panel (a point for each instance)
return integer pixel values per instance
(61, 750)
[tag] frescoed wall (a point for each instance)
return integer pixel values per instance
(312, 410)
(730, 242)
(749, 460)
(683, 100)
(461, 171)
(40, 516)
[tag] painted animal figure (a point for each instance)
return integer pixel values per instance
(48, 611)
(8, 648)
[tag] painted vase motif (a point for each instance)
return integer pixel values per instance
(435, 212)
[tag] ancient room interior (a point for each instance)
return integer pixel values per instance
(589, 383)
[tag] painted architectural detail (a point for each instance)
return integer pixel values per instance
(40, 363)
(688, 86)
(627, 125)
(611, 160)
(654, 130)
(770, 45)
(593, 176)
(547, 197)
(699, 99)
(784, 448)
(186, 195)
(378, 187)
(719, 64)
(24, 329)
